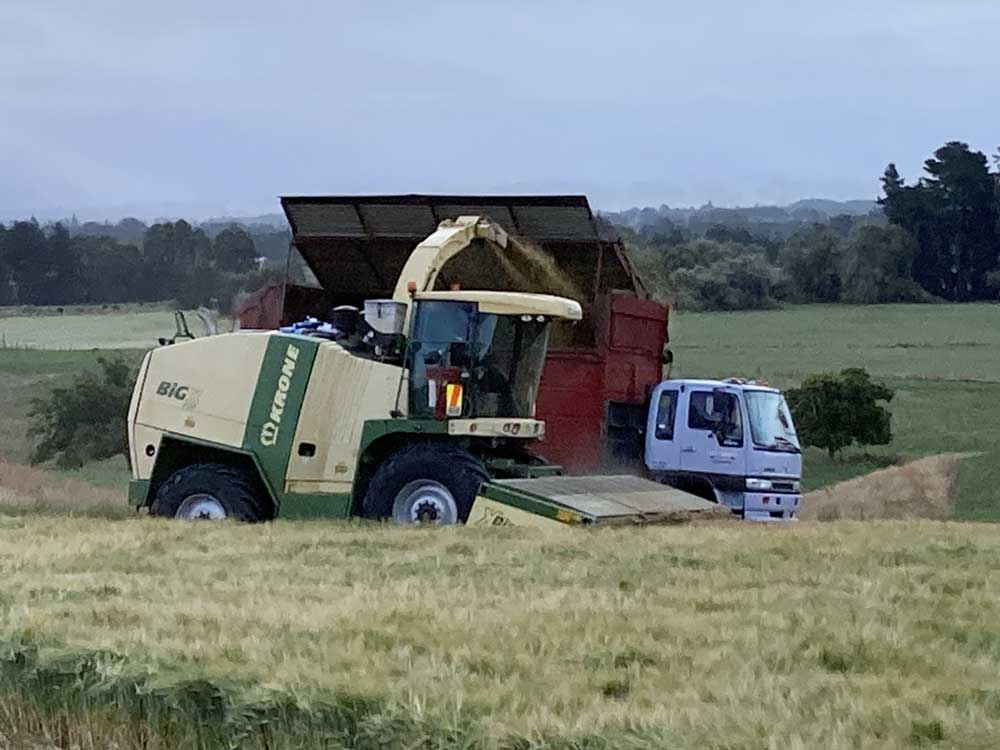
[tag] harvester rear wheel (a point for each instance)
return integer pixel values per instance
(209, 492)
(425, 483)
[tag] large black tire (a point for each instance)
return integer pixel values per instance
(213, 486)
(433, 464)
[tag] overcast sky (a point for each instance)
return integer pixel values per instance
(211, 107)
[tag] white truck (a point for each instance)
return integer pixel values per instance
(731, 441)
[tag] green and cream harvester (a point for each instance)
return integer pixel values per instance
(418, 408)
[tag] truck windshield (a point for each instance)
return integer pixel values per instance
(498, 359)
(770, 422)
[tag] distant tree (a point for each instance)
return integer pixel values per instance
(812, 259)
(27, 257)
(965, 192)
(878, 266)
(953, 213)
(833, 412)
(172, 253)
(110, 271)
(706, 275)
(234, 250)
(8, 289)
(85, 422)
(62, 274)
(723, 233)
(842, 224)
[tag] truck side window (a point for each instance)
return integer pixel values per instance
(710, 412)
(666, 412)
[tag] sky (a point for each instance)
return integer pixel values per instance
(197, 109)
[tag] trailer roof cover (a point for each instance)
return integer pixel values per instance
(357, 245)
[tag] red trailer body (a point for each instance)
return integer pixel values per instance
(594, 400)
(598, 376)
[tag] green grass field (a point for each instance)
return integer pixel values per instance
(129, 327)
(157, 634)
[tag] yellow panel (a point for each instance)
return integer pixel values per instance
(486, 512)
(203, 388)
(344, 392)
(142, 464)
(315, 487)
(512, 303)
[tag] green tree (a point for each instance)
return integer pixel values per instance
(965, 193)
(27, 251)
(173, 253)
(8, 290)
(833, 412)
(234, 250)
(812, 259)
(111, 272)
(878, 266)
(62, 269)
(85, 422)
(953, 215)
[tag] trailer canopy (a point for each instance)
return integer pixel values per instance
(356, 246)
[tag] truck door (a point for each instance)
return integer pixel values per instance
(712, 439)
(662, 450)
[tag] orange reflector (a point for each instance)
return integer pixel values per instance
(411, 287)
(453, 399)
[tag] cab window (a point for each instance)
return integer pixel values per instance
(666, 412)
(718, 413)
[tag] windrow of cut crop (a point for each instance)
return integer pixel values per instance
(97, 701)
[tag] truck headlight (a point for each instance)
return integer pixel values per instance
(796, 486)
(759, 485)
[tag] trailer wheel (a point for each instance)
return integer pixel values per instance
(425, 483)
(209, 492)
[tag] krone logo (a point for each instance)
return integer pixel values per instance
(269, 432)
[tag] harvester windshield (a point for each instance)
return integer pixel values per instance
(469, 364)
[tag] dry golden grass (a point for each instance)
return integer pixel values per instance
(919, 489)
(26, 487)
(877, 635)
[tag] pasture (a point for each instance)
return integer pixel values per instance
(155, 634)
(132, 326)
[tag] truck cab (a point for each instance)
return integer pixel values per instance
(729, 441)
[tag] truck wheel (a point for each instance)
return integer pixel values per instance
(425, 484)
(208, 492)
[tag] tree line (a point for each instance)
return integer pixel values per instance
(172, 261)
(938, 238)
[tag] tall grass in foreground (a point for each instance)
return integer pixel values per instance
(147, 634)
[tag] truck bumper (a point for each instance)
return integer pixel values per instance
(771, 506)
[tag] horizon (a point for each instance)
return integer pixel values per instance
(153, 217)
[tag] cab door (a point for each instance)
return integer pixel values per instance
(662, 450)
(713, 436)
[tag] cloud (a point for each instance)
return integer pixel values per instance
(230, 104)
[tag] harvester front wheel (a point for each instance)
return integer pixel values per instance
(208, 492)
(426, 483)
